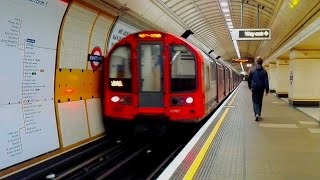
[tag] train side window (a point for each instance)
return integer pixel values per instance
(213, 71)
(183, 69)
(207, 78)
(120, 69)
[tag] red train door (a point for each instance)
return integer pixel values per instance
(150, 75)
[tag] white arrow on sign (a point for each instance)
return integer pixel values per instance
(266, 33)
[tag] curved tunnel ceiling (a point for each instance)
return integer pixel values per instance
(206, 19)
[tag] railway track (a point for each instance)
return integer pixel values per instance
(128, 160)
(125, 158)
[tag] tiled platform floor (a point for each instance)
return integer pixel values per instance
(285, 144)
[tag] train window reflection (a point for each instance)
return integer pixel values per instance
(183, 73)
(150, 66)
(119, 69)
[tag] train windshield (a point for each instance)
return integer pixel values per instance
(120, 70)
(183, 69)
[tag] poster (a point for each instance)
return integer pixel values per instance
(28, 40)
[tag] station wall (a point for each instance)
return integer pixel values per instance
(84, 32)
(52, 82)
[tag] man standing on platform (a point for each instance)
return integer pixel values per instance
(258, 82)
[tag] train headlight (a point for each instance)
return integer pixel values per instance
(115, 99)
(181, 101)
(189, 100)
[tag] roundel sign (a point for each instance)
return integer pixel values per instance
(95, 58)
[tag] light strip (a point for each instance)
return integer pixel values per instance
(241, 66)
(225, 9)
(224, 4)
(235, 44)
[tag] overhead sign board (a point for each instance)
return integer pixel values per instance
(240, 60)
(251, 34)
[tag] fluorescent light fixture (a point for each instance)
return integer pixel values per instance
(227, 14)
(229, 23)
(241, 66)
(230, 27)
(249, 65)
(225, 10)
(224, 4)
(228, 19)
(235, 44)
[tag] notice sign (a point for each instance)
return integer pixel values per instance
(251, 34)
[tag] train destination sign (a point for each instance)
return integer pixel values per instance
(251, 34)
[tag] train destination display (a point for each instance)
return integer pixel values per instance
(28, 42)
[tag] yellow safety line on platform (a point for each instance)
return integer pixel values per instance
(197, 161)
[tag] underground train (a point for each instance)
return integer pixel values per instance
(156, 76)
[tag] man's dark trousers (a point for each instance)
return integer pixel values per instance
(257, 96)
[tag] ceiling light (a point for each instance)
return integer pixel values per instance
(228, 19)
(227, 14)
(225, 9)
(241, 66)
(230, 27)
(224, 4)
(229, 23)
(235, 44)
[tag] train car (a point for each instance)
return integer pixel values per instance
(152, 75)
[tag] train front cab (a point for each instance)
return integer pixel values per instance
(146, 79)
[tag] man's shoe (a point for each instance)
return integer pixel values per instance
(257, 117)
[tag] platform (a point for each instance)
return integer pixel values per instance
(284, 144)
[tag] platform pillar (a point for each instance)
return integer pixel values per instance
(272, 73)
(304, 79)
(282, 85)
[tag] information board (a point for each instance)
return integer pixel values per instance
(28, 40)
(27, 130)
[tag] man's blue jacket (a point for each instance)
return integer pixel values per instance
(258, 79)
